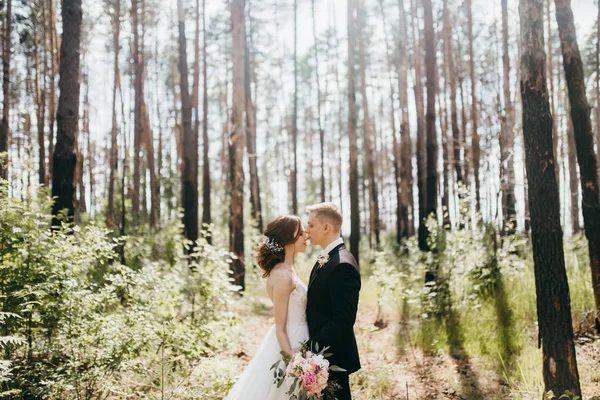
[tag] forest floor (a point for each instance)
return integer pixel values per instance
(392, 371)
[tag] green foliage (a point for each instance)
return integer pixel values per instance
(93, 327)
(479, 298)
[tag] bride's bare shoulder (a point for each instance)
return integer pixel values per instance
(281, 277)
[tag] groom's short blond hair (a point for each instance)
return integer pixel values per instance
(329, 212)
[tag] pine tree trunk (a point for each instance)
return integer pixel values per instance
(573, 189)
(555, 132)
(395, 144)
(54, 60)
(294, 168)
(236, 147)
(421, 134)
(206, 202)
(369, 134)
(584, 140)
(111, 217)
(256, 209)
(474, 118)
(507, 137)
(189, 177)
(449, 54)
(352, 134)
(137, 136)
(552, 289)
(4, 124)
(321, 130)
(65, 158)
(405, 153)
(40, 94)
(446, 151)
(432, 151)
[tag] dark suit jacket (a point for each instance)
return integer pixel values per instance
(331, 307)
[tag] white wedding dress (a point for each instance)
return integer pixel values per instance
(256, 382)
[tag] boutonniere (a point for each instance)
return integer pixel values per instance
(322, 259)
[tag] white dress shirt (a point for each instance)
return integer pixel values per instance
(332, 246)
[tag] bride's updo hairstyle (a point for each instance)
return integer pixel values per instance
(280, 232)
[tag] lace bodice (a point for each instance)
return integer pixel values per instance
(297, 303)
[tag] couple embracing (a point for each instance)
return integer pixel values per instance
(323, 313)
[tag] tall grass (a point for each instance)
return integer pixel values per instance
(483, 303)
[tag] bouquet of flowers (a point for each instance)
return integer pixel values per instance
(307, 373)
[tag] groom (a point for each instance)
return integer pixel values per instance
(333, 294)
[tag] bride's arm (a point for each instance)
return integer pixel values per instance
(281, 294)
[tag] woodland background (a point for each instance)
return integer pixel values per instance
(145, 145)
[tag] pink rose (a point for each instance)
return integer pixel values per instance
(309, 379)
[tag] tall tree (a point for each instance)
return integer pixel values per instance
(236, 146)
(572, 158)
(352, 134)
(369, 134)
(41, 71)
(206, 203)
(138, 69)
(68, 110)
(555, 131)
(449, 54)
(294, 169)
(507, 137)
(421, 134)
(584, 140)
(249, 74)
(406, 227)
(189, 177)
(400, 223)
(552, 289)
(432, 151)
(319, 123)
(115, 19)
(54, 60)
(4, 125)
(474, 121)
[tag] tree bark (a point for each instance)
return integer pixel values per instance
(294, 169)
(65, 158)
(54, 60)
(573, 189)
(368, 132)
(321, 130)
(552, 289)
(4, 124)
(206, 202)
(352, 134)
(40, 92)
(584, 140)
(138, 67)
(400, 223)
(421, 134)
(432, 151)
(111, 217)
(448, 49)
(555, 132)
(507, 137)
(474, 121)
(236, 147)
(406, 169)
(249, 74)
(189, 177)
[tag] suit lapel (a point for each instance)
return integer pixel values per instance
(317, 268)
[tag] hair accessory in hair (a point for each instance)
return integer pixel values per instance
(272, 245)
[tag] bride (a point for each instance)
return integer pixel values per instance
(283, 238)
